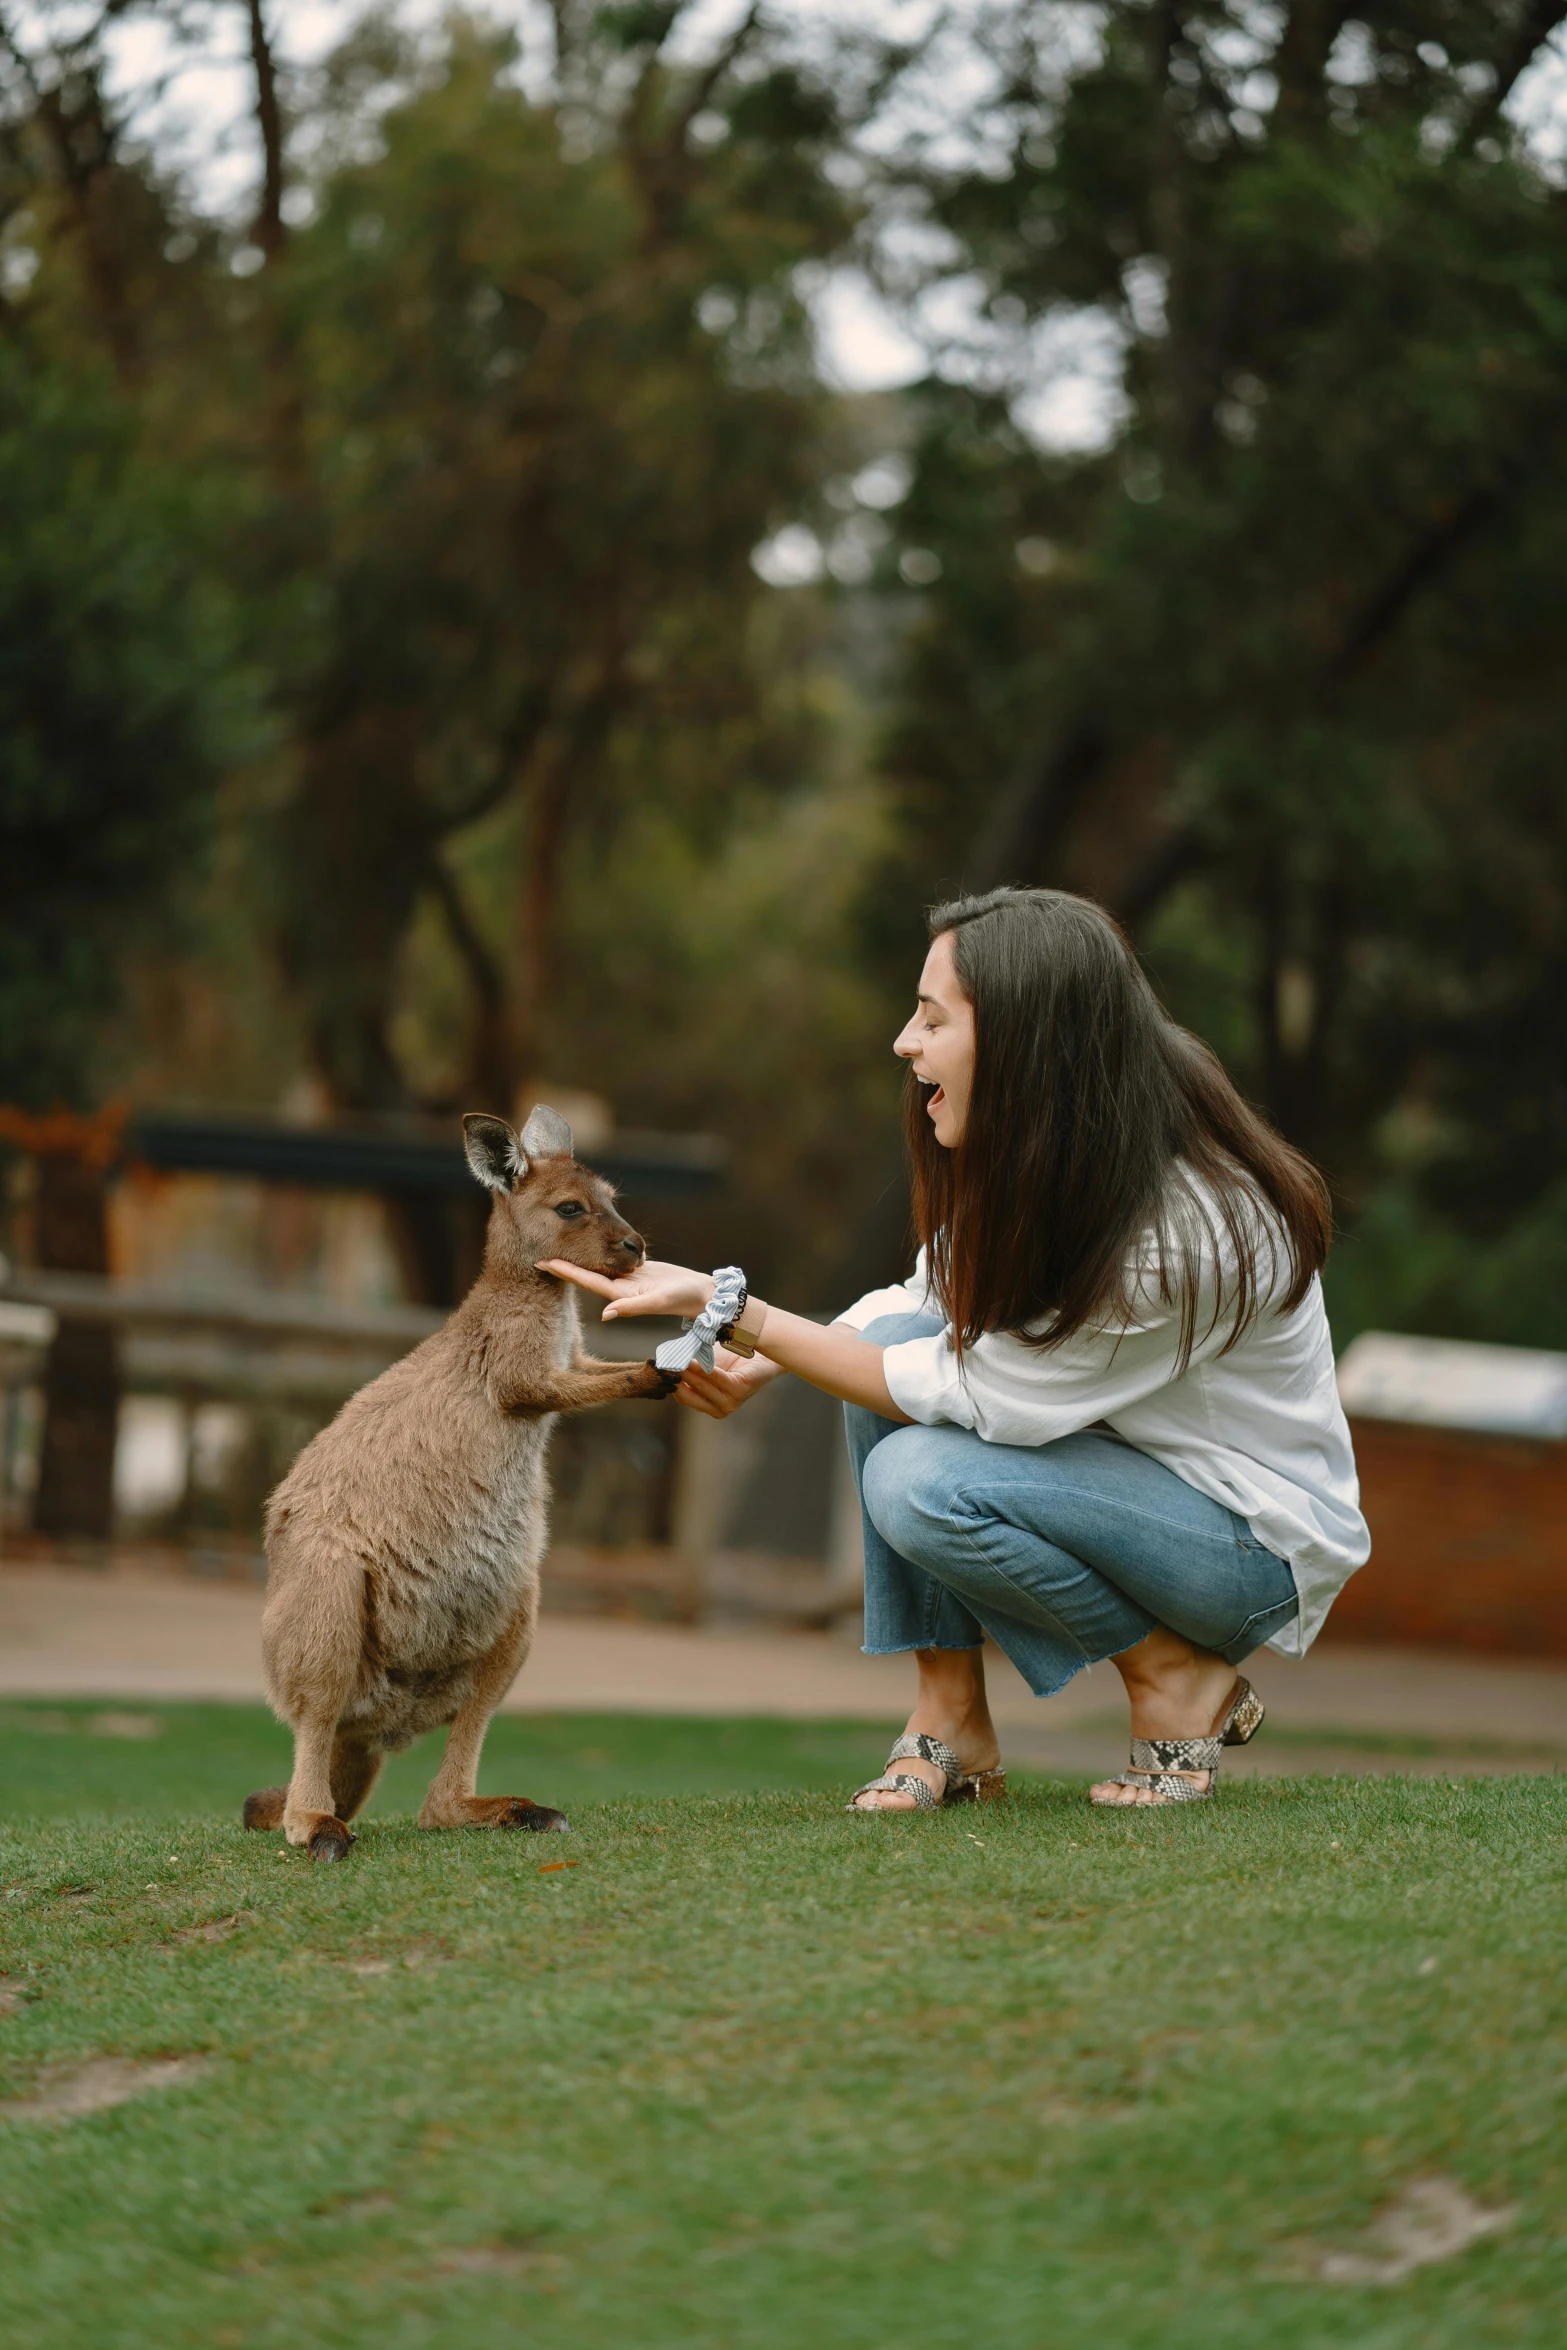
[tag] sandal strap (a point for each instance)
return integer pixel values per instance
(1177, 1754)
(897, 1783)
(922, 1748)
(1244, 1718)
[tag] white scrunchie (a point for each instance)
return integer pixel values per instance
(698, 1339)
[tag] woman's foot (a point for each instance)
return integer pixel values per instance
(952, 1707)
(1176, 1691)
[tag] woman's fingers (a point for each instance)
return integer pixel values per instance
(652, 1289)
(599, 1283)
(662, 1298)
(717, 1393)
(701, 1403)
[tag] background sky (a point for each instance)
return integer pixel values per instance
(194, 99)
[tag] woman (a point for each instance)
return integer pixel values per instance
(1100, 1418)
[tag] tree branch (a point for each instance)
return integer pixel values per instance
(490, 1073)
(707, 81)
(1537, 20)
(1381, 615)
(82, 143)
(1300, 60)
(1150, 882)
(1031, 817)
(268, 231)
(482, 967)
(518, 741)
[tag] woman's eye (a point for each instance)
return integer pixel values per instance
(569, 1208)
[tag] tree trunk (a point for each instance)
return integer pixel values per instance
(82, 1377)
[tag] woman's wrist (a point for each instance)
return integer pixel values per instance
(744, 1334)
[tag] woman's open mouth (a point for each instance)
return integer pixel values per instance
(934, 1098)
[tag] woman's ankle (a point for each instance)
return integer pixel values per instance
(952, 1705)
(1175, 1689)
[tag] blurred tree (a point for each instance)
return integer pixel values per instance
(548, 380)
(535, 480)
(504, 391)
(113, 669)
(1279, 671)
(111, 676)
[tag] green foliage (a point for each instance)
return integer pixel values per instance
(1279, 674)
(753, 2070)
(532, 479)
(559, 787)
(113, 679)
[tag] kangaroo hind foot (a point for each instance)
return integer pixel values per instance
(491, 1811)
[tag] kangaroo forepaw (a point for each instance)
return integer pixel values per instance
(331, 1840)
(264, 1809)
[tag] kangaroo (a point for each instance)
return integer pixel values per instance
(403, 1546)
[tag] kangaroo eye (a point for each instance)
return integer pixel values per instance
(569, 1208)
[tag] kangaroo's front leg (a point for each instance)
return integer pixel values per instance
(451, 1802)
(556, 1388)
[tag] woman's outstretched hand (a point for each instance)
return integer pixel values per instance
(836, 1359)
(652, 1289)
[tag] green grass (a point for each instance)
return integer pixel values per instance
(755, 2073)
(62, 1759)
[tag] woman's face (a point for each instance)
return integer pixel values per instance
(938, 1043)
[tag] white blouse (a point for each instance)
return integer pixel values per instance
(1259, 1429)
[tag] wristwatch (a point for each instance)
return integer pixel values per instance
(744, 1331)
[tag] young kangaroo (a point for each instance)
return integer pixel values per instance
(403, 1546)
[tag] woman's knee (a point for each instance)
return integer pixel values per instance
(911, 1490)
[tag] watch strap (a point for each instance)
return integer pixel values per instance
(744, 1331)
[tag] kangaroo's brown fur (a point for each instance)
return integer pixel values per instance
(403, 1546)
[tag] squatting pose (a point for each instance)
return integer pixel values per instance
(1099, 1419)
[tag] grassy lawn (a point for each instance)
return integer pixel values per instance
(755, 2073)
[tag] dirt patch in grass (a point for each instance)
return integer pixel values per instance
(498, 2260)
(1431, 2220)
(357, 2207)
(102, 2082)
(218, 1929)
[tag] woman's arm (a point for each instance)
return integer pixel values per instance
(835, 1359)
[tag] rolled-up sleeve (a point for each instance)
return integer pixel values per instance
(1011, 1393)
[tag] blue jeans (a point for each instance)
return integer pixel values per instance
(1063, 1553)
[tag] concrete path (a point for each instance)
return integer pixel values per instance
(133, 1633)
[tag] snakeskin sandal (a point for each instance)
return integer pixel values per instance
(962, 1786)
(1158, 1763)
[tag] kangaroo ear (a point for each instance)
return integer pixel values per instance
(493, 1151)
(546, 1135)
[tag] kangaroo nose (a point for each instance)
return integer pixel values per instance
(632, 1244)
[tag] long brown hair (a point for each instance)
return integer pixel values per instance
(1088, 1106)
